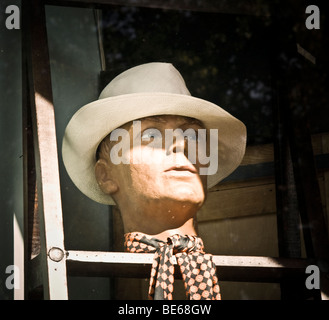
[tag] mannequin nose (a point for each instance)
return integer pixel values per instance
(179, 145)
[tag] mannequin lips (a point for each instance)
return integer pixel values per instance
(182, 170)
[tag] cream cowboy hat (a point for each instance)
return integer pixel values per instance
(143, 91)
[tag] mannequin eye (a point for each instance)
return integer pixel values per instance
(191, 135)
(151, 134)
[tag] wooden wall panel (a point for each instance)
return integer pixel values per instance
(265, 152)
(254, 235)
(232, 200)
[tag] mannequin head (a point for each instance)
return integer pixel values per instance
(160, 188)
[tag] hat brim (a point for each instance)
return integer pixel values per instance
(93, 122)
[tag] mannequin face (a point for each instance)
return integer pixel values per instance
(159, 176)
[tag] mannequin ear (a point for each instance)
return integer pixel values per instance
(103, 177)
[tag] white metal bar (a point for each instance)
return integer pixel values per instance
(46, 156)
(229, 268)
(18, 261)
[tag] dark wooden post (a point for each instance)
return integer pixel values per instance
(298, 195)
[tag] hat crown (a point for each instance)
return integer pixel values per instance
(150, 77)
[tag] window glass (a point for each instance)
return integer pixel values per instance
(224, 58)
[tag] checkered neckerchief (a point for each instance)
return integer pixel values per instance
(197, 268)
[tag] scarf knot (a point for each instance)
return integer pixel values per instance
(185, 243)
(197, 268)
